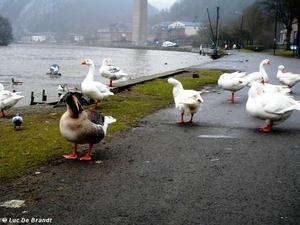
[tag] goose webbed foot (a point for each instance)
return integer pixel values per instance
(181, 121)
(74, 155)
(88, 155)
(95, 106)
(191, 120)
(3, 114)
(266, 128)
(232, 97)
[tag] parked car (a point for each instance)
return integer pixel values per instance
(169, 44)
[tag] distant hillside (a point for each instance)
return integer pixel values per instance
(74, 16)
(66, 16)
(186, 10)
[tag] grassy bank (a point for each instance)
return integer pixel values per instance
(39, 141)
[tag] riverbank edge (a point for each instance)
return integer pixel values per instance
(42, 108)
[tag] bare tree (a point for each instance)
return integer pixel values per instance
(293, 6)
(257, 26)
(280, 10)
(252, 29)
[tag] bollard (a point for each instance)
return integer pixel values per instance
(32, 98)
(44, 98)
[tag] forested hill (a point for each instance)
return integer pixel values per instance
(186, 10)
(67, 15)
(87, 16)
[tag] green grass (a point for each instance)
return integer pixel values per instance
(285, 53)
(39, 142)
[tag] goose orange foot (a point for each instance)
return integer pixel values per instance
(87, 157)
(3, 114)
(266, 128)
(181, 121)
(191, 120)
(72, 156)
(232, 97)
(95, 106)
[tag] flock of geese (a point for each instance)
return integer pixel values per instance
(89, 126)
(268, 102)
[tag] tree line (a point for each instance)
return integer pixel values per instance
(258, 24)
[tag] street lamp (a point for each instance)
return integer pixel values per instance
(241, 28)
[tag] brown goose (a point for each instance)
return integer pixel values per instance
(81, 126)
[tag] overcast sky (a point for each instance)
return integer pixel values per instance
(161, 4)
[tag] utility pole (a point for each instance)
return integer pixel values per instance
(217, 31)
(275, 30)
(241, 28)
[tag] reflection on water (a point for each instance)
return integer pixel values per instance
(29, 63)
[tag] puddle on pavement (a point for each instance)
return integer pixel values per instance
(214, 136)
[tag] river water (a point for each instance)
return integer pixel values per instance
(29, 64)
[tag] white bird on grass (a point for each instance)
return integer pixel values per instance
(8, 99)
(110, 72)
(93, 89)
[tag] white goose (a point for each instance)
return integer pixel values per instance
(8, 99)
(81, 126)
(93, 89)
(232, 82)
(273, 88)
(260, 74)
(287, 78)
(188, 102)
(110, 72)
(274, 108)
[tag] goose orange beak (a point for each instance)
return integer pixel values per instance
(83, 62)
